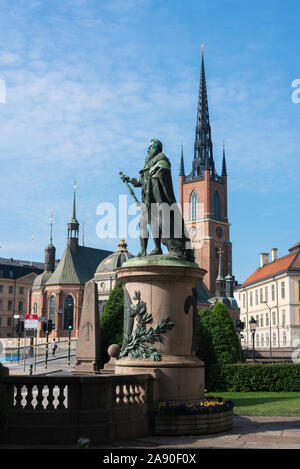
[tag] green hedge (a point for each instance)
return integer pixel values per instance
(111, 321)
(281, 377)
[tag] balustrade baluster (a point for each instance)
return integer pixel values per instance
(50, 405)
(39, 397)
(61, 397)
(29, 397)
(18, 397)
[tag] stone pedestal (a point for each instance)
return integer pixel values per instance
(165, 282)
(88, 355)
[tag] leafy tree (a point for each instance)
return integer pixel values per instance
(111, 321)
(217, 338)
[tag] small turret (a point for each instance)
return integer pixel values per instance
(73, 225)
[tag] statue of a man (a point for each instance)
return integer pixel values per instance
(159, 208)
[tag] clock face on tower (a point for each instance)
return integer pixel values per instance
(219, 232)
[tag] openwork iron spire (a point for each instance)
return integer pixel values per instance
(203, 151)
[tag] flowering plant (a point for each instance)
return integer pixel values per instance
(210, 404)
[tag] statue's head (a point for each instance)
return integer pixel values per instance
(155, 147)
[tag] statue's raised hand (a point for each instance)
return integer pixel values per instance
(124, 177)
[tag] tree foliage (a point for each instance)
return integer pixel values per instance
(218, 342)
(111, 321)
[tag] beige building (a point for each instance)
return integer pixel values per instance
(272, 296)
(16, 279)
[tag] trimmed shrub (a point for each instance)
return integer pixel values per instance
(217, 338)
(248, 377)
(111, 321)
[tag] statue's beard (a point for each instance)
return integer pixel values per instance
(152, 153)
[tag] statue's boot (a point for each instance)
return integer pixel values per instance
(144, 244)
(157, 249)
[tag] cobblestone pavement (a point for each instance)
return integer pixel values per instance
(248, 432)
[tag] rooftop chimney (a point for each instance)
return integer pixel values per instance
(264, 258)
(274, 254)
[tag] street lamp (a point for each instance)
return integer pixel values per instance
(270, 322)
(252, 324)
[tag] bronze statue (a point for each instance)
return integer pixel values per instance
(159, 208)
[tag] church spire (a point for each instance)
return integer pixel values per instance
(73, 225)
(181, 172)
(203, 153)
(224, 171)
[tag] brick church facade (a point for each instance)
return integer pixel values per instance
(203, 200)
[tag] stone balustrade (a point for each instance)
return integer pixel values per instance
(61, 409)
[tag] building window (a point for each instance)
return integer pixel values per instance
(1, 304)
(273, 292)
(274, 339)
(9, 322)
(261, 320)
(262, 340)
(251, 299)
(284, 338)
(244, 300)
(10, 274)
(256, 297)
(20, 306)
(217, 206)
(1, 288)
(267, 319)
(194, 206)
(1, 273)
(52, 303)
(21, 291)
(267, 340)
(68, 311)
(35, 308)
(101, 305)
(257, 320)
(257, 340)
(283, 317)
(273, 318)
(10, 289)
(261, 297)
(0, 321)
(9, 305)
(282, 290)
(266, 294)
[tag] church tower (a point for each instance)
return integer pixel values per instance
(203, 199)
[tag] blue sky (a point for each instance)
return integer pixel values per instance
(89, 83)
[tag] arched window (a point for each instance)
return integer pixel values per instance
(52, 303)
(217, 206)
(193, 206)
(68, 311)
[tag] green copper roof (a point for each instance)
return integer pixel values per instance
(78, 266)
